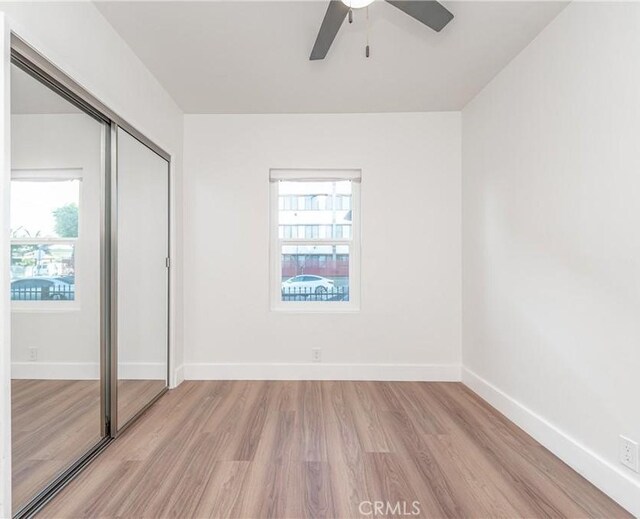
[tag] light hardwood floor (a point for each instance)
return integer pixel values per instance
(54, 422)
(251, 449)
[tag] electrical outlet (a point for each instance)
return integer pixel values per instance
(316, 354)
(33, 354)
(629, 453)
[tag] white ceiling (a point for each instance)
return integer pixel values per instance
(253, 57)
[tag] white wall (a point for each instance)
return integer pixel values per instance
(77, 38)
(409, 322)
(68, 339)
(551, 248)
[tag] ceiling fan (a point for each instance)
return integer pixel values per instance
(431, 13)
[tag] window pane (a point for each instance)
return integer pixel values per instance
(42, 272)
(315, 273)
(316, 209)
(44, 209)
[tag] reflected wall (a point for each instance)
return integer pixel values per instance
(142, 276)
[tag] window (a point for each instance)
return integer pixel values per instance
(315, 239)
(44, 235)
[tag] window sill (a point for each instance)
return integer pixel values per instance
(299, 310)
(44, 309)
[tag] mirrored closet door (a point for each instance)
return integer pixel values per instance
(142, 277)
(57, 174)
(89, 275)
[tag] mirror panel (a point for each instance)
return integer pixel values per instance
(142, 276)
(58, 168)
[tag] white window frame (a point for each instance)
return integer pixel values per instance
(52, 175)
(276, 243)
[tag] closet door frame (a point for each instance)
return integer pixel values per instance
(31, 61)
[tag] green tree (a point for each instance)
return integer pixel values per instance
(66, 217)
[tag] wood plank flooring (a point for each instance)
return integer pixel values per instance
(254, 449)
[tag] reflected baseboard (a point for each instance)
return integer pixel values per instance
(85, 370)
(142, 371)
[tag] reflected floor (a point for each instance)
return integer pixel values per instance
(133, 395)
(54, 422)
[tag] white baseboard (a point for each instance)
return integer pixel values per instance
(320, 371)
(607, 477)
(178, 377)
(85, 370)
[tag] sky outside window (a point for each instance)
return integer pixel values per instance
(33, 204)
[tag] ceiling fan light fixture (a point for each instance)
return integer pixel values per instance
(357, 4)
(428, 12)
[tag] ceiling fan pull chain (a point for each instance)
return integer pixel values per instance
(350, 15)
(367, 50)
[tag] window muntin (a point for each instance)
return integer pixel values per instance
(44, 235)
(315, 247)
(323, 231)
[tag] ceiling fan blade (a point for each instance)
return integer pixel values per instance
(333, 18)
(431, 13)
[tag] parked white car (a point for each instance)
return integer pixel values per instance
(307, 284)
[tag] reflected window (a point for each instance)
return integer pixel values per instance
(44, 235)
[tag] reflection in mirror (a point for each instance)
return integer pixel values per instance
(143, 245)
(57, 162)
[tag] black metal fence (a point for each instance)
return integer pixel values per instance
(43, 293)
(315, 294)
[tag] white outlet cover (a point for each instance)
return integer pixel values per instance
(629, 453)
